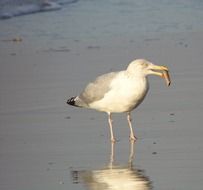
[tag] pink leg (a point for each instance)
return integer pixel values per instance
(111, 127)
(132, 136)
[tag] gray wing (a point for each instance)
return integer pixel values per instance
(97, 89)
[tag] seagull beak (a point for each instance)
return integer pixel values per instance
(161, 71)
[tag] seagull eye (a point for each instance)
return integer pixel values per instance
(144, 64)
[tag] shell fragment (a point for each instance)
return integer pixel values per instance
(166, 76)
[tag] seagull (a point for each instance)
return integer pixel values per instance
(120, 92)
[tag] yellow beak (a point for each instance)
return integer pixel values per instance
(159, 68)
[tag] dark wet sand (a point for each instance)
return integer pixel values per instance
(43, 141)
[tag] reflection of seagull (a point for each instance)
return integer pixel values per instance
(120, 91)
(114, 177)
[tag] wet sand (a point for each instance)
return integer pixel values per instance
(46, 144)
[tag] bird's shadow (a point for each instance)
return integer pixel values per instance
(114, 176)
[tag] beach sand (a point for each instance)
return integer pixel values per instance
(44, 143)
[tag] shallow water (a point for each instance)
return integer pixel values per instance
(46, 144)
(105, 18)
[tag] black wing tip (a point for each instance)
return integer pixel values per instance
(71, 101)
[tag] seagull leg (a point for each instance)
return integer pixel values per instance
(132, 136)
(111, 127)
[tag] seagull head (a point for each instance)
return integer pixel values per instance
(142, 67)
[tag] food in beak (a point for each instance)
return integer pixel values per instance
(166, 76)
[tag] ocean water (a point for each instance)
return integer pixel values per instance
(12, 8)
(113, 16)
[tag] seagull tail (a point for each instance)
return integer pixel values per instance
(77, 102)
(71, 101)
